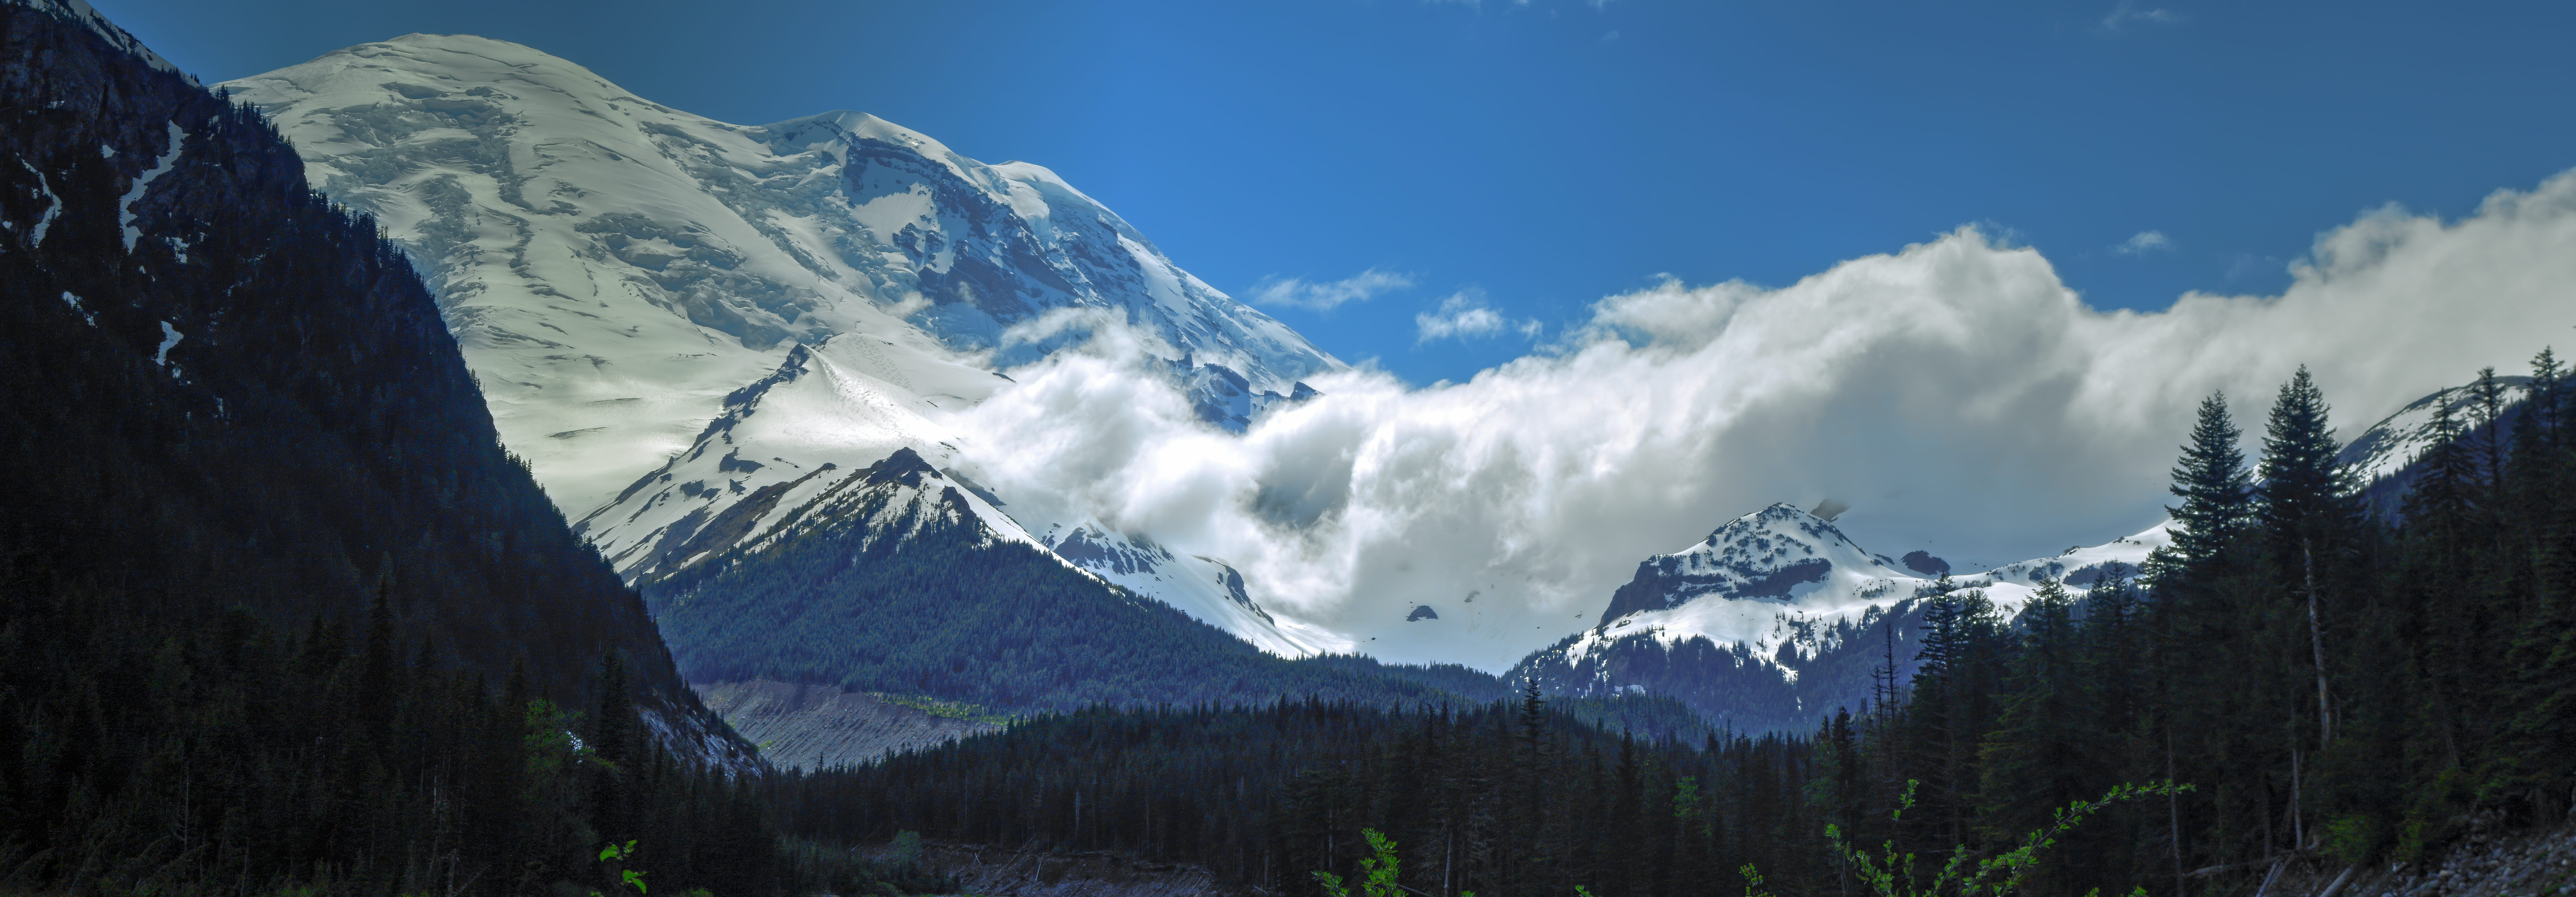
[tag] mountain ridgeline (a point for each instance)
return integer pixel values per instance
(893, 580)
(2340, 693)
(276, 606)
(1777, 619)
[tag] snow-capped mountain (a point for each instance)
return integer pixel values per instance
(614, 268)
(1777, 616)
(841, 405)
(786, 445)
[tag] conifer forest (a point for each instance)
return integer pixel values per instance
(281, 615)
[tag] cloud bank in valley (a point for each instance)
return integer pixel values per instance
(1955, 393)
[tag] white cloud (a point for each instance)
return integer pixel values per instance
(1463, 315)
(1297, 293)
(1956, 393)
(2145, 242)
(2128, 12)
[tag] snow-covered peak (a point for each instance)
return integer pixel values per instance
(1774, 555)
(1782, 577)
(843, 405)
(614, 267)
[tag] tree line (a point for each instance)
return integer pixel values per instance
(2328, 686)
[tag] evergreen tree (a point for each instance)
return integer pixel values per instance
(2211, 480)
(2309, 515)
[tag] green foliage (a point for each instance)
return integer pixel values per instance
(841, 870)
(1893, 873)
(1378, 870)
(1501, 798)
(906, 849)
(616, 853)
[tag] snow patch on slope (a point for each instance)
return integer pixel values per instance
(1209, 590)
(125, 213)
(2398, 439)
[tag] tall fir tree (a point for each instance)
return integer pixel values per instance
(2211, 479)
(2309, 516)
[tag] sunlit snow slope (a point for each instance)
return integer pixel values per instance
(614, 267)
(1777, 616)
(785, 446)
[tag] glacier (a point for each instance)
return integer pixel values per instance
(614, 267)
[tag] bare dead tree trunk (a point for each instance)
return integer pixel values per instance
(2173, 807)
(2317, 645)
(2298, 828)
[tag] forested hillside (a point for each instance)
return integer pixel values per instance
(2328, 690)
(276, 609)
(1502, 798)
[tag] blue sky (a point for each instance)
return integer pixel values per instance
(1537, 157)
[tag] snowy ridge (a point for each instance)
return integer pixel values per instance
(614, 267)
(787, 452)
(2400, 438)
(1780, 588)
(1207, 589)
(894, 500)
(842, 406)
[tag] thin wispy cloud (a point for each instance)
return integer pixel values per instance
(2145, 242)
(2130, 13)
(1465, 315)
(1327, 295)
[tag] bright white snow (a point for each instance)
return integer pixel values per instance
(1750, 548)
(613, 267)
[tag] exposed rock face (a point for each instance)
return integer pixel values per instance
(810, 727)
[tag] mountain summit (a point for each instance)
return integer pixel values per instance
(1777, 617)
(614, 267)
